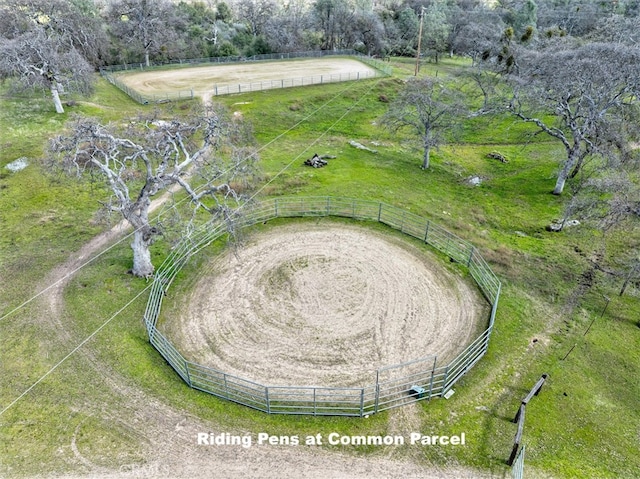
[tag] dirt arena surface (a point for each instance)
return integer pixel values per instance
(203, 79)
(166, 434)
(324, 304)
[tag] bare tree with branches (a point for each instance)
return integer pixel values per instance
(145, 27)
(206, 156)
(426, 107)
(576, 95)
(46, 44)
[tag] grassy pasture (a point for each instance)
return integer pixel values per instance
(585, 423)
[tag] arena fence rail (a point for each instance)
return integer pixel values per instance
(392, 386)
(111, 74)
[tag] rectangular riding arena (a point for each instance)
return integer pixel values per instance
(152, 85)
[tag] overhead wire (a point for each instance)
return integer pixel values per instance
(155, 218)
(117, 313)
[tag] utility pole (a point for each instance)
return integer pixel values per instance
(419, 41)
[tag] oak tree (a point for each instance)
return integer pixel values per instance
(428, 108)
(48, 44)
(205, 155)
(577, 95)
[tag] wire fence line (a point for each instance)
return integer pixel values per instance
(391, 386)
(110, 73)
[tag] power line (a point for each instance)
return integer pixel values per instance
(87, 339)
(101, 327)
(96, 256)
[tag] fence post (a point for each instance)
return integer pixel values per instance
(473, 248)
(379, 212)
(328, 205)
(444, 381)
(433, 373)
(186, 368)
(518, 438)
(276, 207)
(494, 306)
(266, 396)
(361, 402)
(376, 400)
(426, 233)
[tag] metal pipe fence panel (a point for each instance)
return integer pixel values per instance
(467, 359)
(315, 400)
(169, 352)
(479, 341)
(228, 387)
(380, 70)
(484, 277)
(395, 385)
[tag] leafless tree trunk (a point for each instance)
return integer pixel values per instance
(427, 151)
(427, 108)
(151, 156)
(56, 99)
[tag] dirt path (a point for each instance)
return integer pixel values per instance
(167, 435)
(325, 304)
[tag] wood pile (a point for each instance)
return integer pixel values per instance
(318, 161)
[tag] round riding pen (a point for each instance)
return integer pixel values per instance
(391, 385)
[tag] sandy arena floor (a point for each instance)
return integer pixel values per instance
(324, 304)
(203, 79)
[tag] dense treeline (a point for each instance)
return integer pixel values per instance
(570, 68)
(123, 31)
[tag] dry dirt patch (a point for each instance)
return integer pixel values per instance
(204, 78)
(324, 304)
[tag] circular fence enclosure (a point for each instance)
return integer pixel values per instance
(325, 303)
(391, 385)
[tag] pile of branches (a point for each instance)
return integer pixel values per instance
(318, 161)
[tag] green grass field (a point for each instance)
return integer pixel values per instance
(585, 422)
